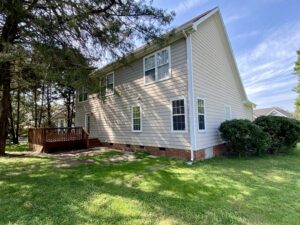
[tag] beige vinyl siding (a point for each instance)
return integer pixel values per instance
(111, 121)
(215, 80)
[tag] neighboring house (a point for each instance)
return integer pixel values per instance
(170, 100)
(59, 116)
(274, 111)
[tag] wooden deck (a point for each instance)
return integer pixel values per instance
(57, 139)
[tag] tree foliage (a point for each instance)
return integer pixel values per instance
(297, 101)
(244, 137)
(41, 40)
(284, 132)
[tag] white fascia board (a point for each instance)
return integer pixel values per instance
(202, 19)
(232, 56)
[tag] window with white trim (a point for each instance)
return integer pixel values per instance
(109, 84)
(157, 66)
(82, 94)
(87, 122)
(201, 114)
(178, 115)
(227, 112)
(136, 118)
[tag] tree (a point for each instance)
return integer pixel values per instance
(297, 102)
(97, 29)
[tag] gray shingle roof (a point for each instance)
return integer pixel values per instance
(268, 111)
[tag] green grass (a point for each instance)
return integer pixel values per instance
(151, 191)
(21, 147)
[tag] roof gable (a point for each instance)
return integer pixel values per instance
(268, 111)
(226, 42)
(174, 35)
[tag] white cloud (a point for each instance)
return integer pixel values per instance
(267, 69)
(265, 87)
(185, 5)
(231, 18)
(246, 35)
(278, 100)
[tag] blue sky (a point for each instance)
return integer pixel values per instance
(264, 35)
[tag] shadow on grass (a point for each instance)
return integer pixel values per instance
(218, 191)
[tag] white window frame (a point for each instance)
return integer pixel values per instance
(156, 67)
(83, 90)
(113, 90)
(227, 106)
(141, 119)
(185, 114)
(59, 123)
(85, 122)
(204, 114)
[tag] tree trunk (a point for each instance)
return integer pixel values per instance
(8, 36)
(16, 141)
(11, 122)
(4, 106)
(68, 105)
(42, 105)
(72, 107)
(48, 98)
(35, 107)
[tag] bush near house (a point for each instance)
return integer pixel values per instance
(244, 137)
(284, 132)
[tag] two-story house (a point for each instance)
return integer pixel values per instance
(170, 100)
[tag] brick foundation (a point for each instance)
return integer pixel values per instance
(169, 152)
(217, 150)
(199, 154)
(220, 149)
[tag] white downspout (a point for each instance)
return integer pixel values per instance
(191, 94)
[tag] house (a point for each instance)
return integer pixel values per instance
(171, 99)
(59, 116)
(273, 111)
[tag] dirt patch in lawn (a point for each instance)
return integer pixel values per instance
(84, 156)
(74, 158)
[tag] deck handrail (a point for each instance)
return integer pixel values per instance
(62, 135)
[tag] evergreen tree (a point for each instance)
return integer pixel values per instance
(297, 102)
(97, 29)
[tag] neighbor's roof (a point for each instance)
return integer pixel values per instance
(267, 111)
(146, 48)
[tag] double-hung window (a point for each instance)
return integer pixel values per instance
(109, 84)
(136, 115)
(228, 112)
(178, 115)
(82, 94)
(157, 66)
(201, 114)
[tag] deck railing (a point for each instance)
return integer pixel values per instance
(47, 139)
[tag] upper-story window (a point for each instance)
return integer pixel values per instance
(82, 94)
(109, 84)
(157, 66)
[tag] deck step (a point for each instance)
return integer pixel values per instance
(94, 142)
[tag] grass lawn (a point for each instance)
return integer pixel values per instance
(23, 146)
(147, 190)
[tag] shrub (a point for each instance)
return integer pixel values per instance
(244, 137)
(284, 132)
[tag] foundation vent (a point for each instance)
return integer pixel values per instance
(209, 153)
